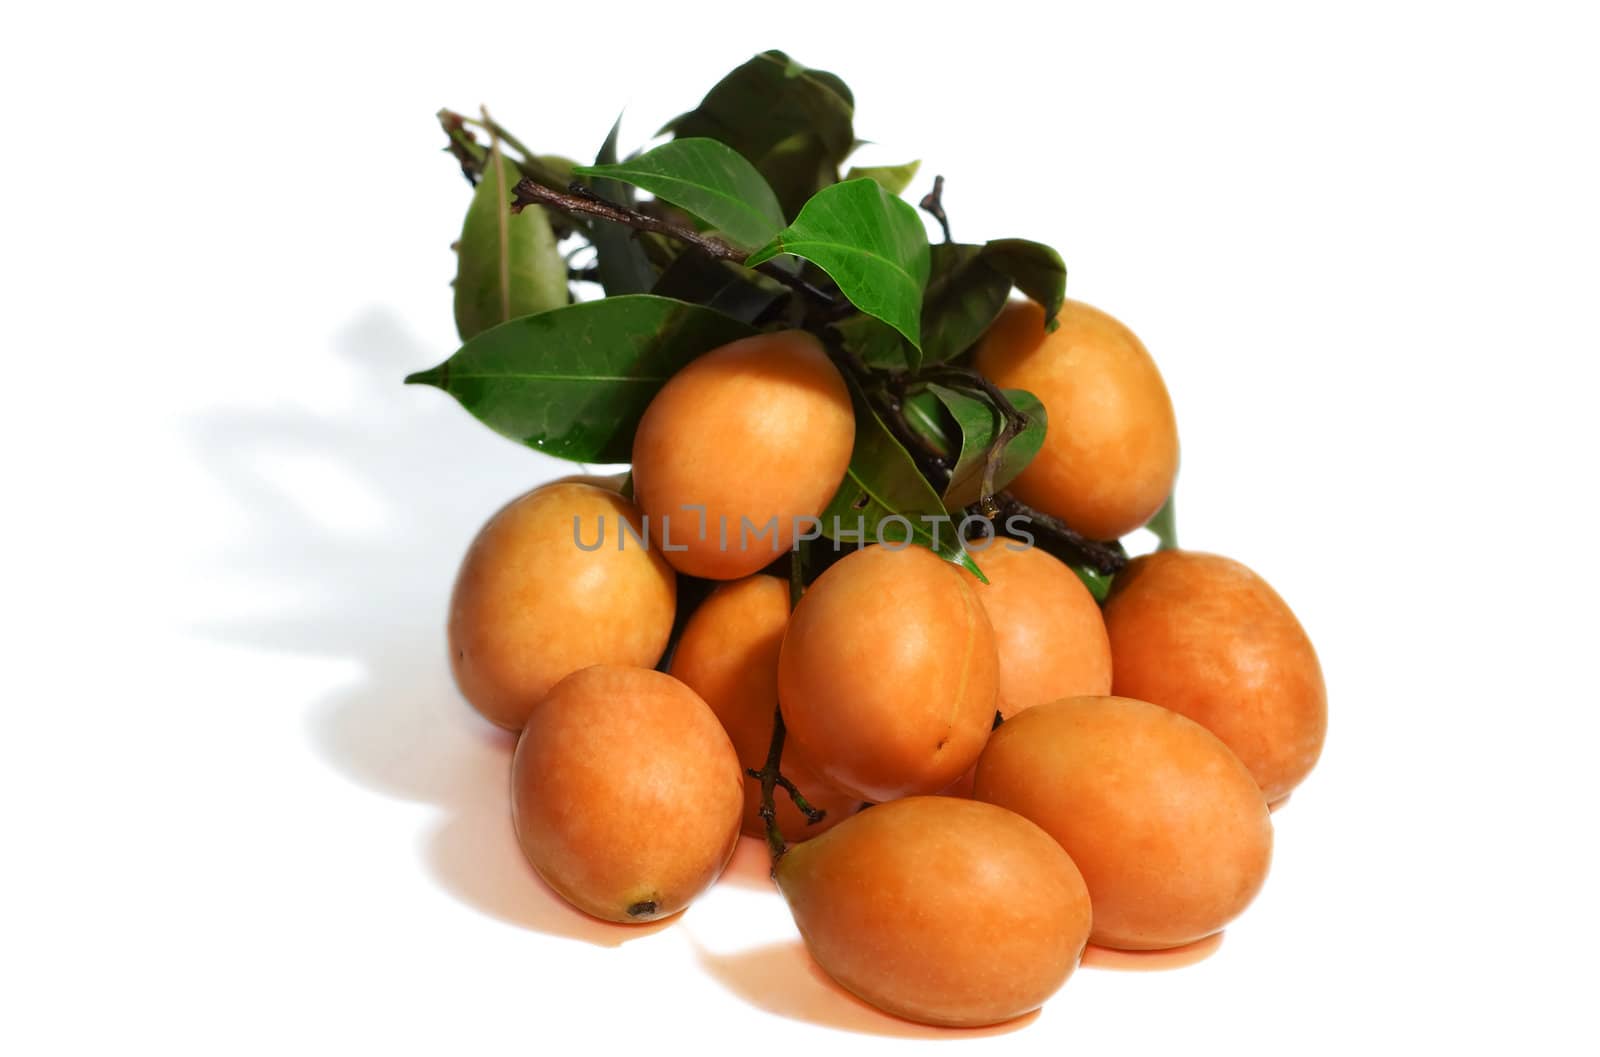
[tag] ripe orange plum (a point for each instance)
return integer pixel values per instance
(1166, 824)
(531, 606)
(758, 433)
(942, 911)
(888, 672)
(1110, 452)
(1048, 631)
(728, 654)
(626, 793)
(1206, 637)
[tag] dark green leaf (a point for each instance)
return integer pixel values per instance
(883, 492)
(574, 381)
(831, 80)
(968, 286)
(1165, 524)
(1034, 268)
(870, 243)
(931, 420)
(892, 178)
(980, 424)
(720, 285)
(964, 296)
(793, 124)
(507, 264)
(877, 343)
(624, 267)
(711, 181)
(1098, 583)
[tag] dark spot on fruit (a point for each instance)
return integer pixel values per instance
(642, 908)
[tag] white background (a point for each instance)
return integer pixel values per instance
(245, 811)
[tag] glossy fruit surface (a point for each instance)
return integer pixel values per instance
(626, 793)
(1110, 453)
(888, 672)
(1048, 631)
(1206, 637)
(758, 433)
(938, 910)
(728, 654)
(534, 603)
(1166, 824)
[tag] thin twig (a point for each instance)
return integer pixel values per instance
(579, 201)
(933, 203)
(769, 775)
(1013, 422)
(934, 464)
(1105, 557)
(813, 815)
(469, 153)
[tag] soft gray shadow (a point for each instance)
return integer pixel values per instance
(782, 978)
(378, 599)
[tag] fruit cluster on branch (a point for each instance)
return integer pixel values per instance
(868, 552)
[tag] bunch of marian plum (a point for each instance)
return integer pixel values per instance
(969, 759)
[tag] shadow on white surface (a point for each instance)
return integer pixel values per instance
(1097, 957)
(377, 597)
(782, 979)
(750, 867)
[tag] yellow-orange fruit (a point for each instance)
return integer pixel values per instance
(757, 433)
(1047, 628)
(1166, 824)
(1206, 637)
(728, 654)
(1110, 452)
(532, 604)
(625, 793)
(941, 911)
(887, 674)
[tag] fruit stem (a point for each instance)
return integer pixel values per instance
(1104, 557)
(769, 775)
(1013, 422)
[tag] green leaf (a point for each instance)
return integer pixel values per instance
(892, 178)
(882, 487)
(793, 124)
(876, 343)
(968, 286)
(1035, 269)
(574, 381)
(964, 296)
(980, 423)
(1098, 583)
(931, 420)
(719, 285)
(710, 180)
(870, 243)
(624, 267)
(507, 264)
(1165, 524)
